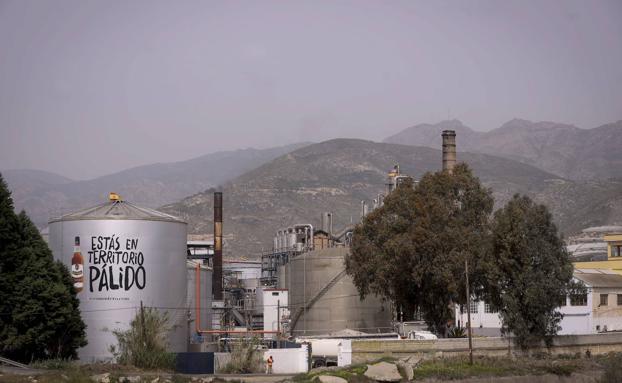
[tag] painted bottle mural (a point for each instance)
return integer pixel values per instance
(77, 267)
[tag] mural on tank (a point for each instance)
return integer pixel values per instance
(115, 263)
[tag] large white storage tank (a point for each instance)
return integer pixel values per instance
(128, 255)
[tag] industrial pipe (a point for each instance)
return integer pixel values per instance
(197, 321)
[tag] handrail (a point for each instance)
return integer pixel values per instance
(13, 363)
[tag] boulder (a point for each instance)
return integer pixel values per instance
(331, 379)
(101, 378)
(383, 372)
(407, 368)
(130, 379)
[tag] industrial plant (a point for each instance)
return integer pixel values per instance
(124, 257)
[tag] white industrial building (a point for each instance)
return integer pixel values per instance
(273, 303)
(599, 310)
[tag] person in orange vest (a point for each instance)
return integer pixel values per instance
(269, 365)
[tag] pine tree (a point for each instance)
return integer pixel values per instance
(40, 316)
(529, 271)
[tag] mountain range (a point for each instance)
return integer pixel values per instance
(573, 171)
(337, 175)
(564, 150)
(44, 195)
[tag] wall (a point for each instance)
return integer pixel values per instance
(577, 319)
(485, 324)
(610, 315)
(366, 350)
(289, 360)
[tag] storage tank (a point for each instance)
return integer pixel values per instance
(317, 281)
(121, 255)
(199, 344)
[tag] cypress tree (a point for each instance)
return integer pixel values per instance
(38, 304)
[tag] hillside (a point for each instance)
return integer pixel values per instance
(44, 195)
(336, 175)
(564, 150)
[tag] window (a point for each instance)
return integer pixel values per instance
(488, 309)
(562, 301)
(604, 298)
(275, 294)
(578, 300)
(619, 299)
(616, 250)
(474, 307)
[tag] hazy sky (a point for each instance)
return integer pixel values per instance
(92, 87)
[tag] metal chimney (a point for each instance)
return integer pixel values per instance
(217, 281)
(449, 150)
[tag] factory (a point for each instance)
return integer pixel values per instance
(124, 257)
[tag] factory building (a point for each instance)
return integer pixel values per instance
(614, 255)
(598, 310)
(590, 244)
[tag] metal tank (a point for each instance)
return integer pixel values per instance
(204, 308)
(121, 255)
(323, 298)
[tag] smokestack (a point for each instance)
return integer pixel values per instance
(217, 281)
(449, 150)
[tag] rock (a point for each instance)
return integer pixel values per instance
(130, 379)
(383, 372)
(206, 380)
(156, 380)
(101, 378)
(331, 379)
(407, 368)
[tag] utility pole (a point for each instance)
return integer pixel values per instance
(468, 297)
(142, 321)
(278, 323)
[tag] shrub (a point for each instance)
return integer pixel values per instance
(245, 357)
(145, 344)
(613, 372)
(456, 332)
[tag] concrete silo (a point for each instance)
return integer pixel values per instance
(121, 255)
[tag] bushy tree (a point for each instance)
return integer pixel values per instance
(412, 250)
(39, 315)
(529, 271)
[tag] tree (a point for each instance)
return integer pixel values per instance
(39, 314)
(412, 250)
(530, 271)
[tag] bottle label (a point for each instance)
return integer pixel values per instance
(77, 270)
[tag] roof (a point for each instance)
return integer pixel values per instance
(117, 210)
(603, 229)
(597, 279)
